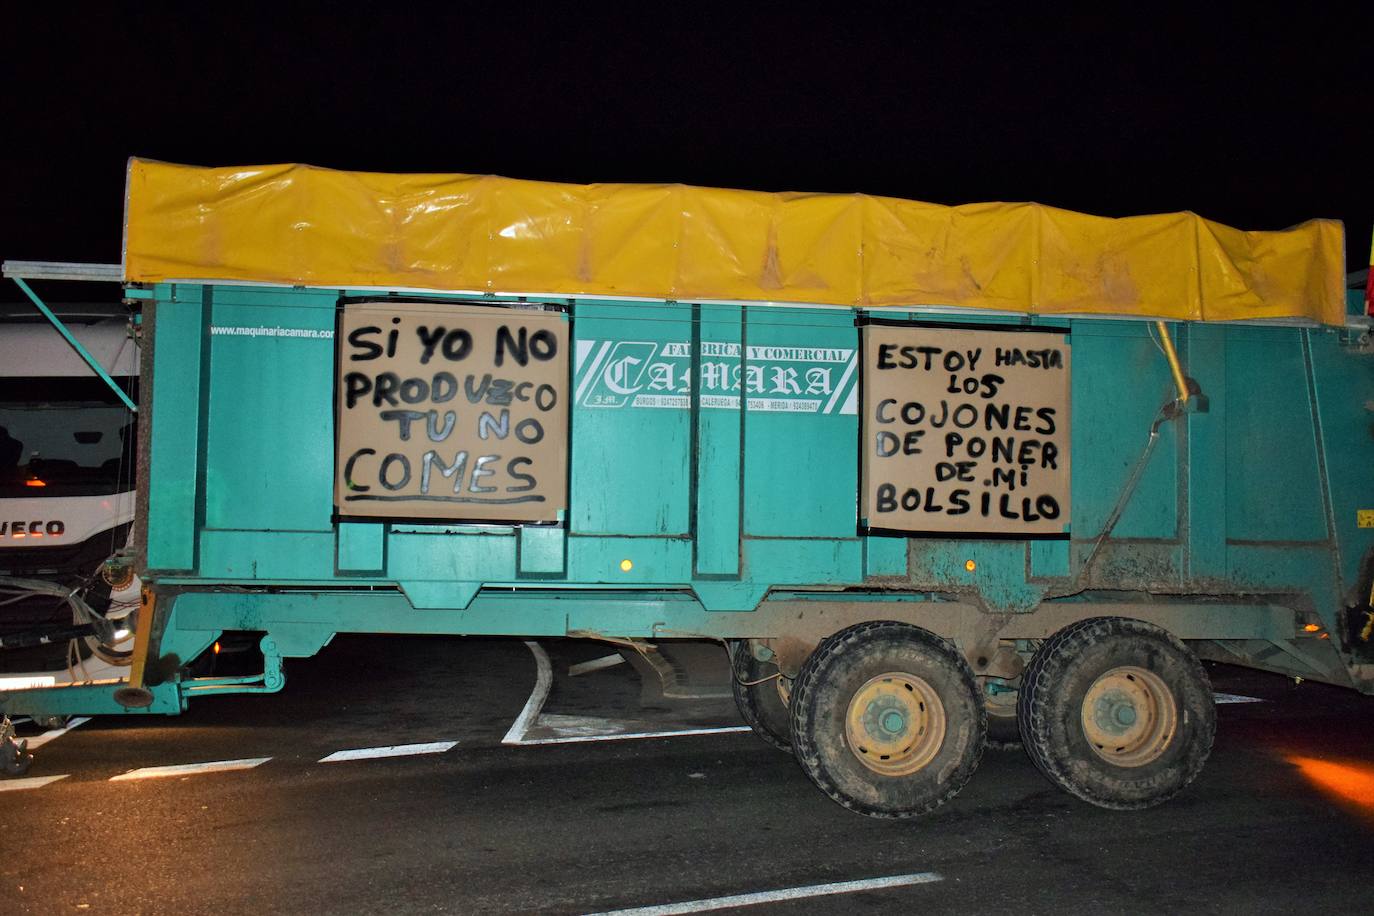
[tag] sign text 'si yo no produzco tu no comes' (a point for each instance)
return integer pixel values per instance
(451, 412)
(966, 431)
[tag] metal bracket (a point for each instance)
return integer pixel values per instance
(18, 270)
(15, 758)
(63, 270)
(272, 679)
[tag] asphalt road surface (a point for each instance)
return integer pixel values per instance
(529, 793)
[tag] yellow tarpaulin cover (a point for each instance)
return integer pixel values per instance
(302, 225)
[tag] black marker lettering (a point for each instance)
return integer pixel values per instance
(443, 388)
(886, 499)
(370, 349)
(519, 346)
(428, 341)
(530, 484)
(500, 390)
(432, 427)
(403, 418)
(356, 384)
(543, 345)
(385, 390)
(454, 470)
(480, 470)
(475, 395)
(393, 459)
(457, 345)
(486, 422)
(348, 470)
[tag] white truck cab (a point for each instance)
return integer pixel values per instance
(68, 468)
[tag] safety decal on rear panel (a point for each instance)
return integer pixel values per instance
(631, 373)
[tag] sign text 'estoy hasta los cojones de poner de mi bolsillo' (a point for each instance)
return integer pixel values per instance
(966, 431)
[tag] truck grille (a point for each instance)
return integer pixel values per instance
(69, 565)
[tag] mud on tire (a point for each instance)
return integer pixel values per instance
(1164, 737)
(760, 704)
(842, 690)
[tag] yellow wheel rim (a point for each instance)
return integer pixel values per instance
(1129, 716)
(895, 724)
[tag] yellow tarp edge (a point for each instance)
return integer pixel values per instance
(308, 226)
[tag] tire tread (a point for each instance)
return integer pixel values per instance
(805, 686)
(1041, 681)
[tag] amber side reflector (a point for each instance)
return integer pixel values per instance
(34, 483)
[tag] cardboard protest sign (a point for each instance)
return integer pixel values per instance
(451, 412)
(966, 432)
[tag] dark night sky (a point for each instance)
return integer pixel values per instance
(1255, 120)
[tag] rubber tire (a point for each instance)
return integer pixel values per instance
(1050, 709)
(760, 705)
(820, 698)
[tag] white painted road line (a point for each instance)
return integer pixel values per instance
(53, 734)
(628, 736)
(1221, 698)
(791, 893)
(395, 750)
(32, 782)
(596, 664)
(191, 769)
(542, 682)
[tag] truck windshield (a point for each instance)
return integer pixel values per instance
(65, 437)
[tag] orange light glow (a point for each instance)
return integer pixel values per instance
(35, 482)
(1311, 628)
(217, 647)
(1351, 782)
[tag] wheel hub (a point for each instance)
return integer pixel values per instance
(1129, 716)
(895, 724)
(885, 718)
(1114, 712)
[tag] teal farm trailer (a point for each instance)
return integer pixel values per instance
(924, 470)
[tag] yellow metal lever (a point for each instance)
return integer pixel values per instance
(1174, 365)
(133, 694)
